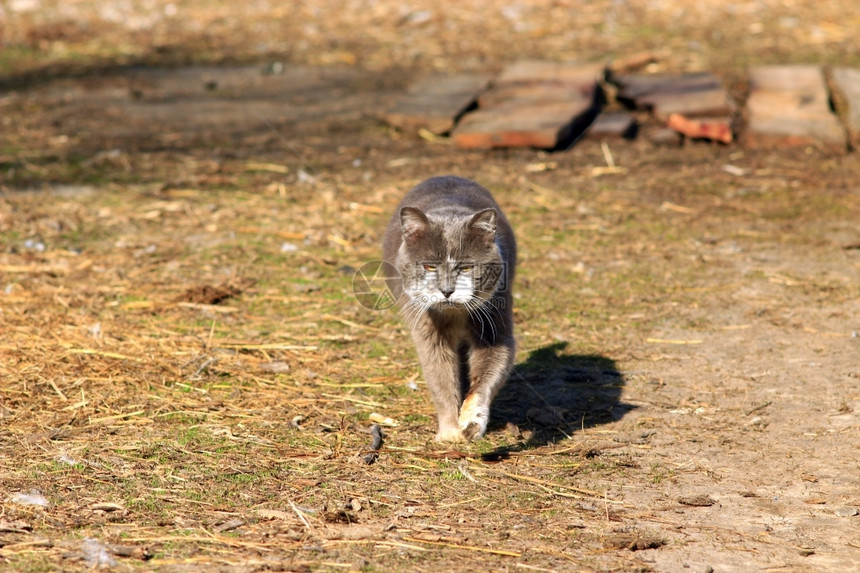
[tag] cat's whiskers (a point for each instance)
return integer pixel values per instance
(472, 307)
(484, 311)
(476, 312)
(480, 312)
(410, 314)
(493, 308)
(413, 309)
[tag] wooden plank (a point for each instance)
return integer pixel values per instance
(545, 126)
(613, 124)
(533, 94)
(713, 128)
(846, 87)
(789, 106)
(436, 102)
(635, 86)
(692, 95)
(632, 63)
(541, 71)
(533, 104)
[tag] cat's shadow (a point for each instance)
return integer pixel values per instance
(552, 395)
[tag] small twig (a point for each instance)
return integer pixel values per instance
(443, 455)
(672, 341)
(346, 322)
(761, 407)
(607, 154)
(466, 547)
(302, 517)
(208, 538)
(203, 367)
(548, 487)
(376, 432)
(115, 417)
(58, 391)
(267, 346)
(465, 472)
(353, 400)
(211, 334)
(26, 544)
(530, 567)
(116, 355)
(376, 542)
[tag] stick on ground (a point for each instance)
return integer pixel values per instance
(376, 432)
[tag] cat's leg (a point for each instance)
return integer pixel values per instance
(440, 363)
(489, 367)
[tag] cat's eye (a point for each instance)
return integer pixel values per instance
(465, 268)
(430, 268)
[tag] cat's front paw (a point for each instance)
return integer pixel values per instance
(452, 435)
(474, 417)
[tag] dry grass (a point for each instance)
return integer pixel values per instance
(150, 420)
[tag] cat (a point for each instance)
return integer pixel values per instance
(455, 255)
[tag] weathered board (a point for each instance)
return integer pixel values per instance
(544, 126)
(691, 95)
(713, 128)
(846, 84)
(435, 103)
(789, 106)
(613, 124)
(539, 104)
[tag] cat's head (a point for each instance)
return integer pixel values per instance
(451, 261)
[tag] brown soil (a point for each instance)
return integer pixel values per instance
(187, 379)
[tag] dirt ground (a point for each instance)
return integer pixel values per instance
(188, 381)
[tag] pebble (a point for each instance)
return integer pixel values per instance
(847, 512)
(277, 367)
(32, 498)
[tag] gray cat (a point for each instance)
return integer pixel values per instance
(455, 254)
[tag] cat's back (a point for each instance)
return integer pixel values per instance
(449, 191)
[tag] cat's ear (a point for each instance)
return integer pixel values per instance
(483, 224)
(413, 222)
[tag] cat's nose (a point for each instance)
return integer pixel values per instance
(447, 291)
